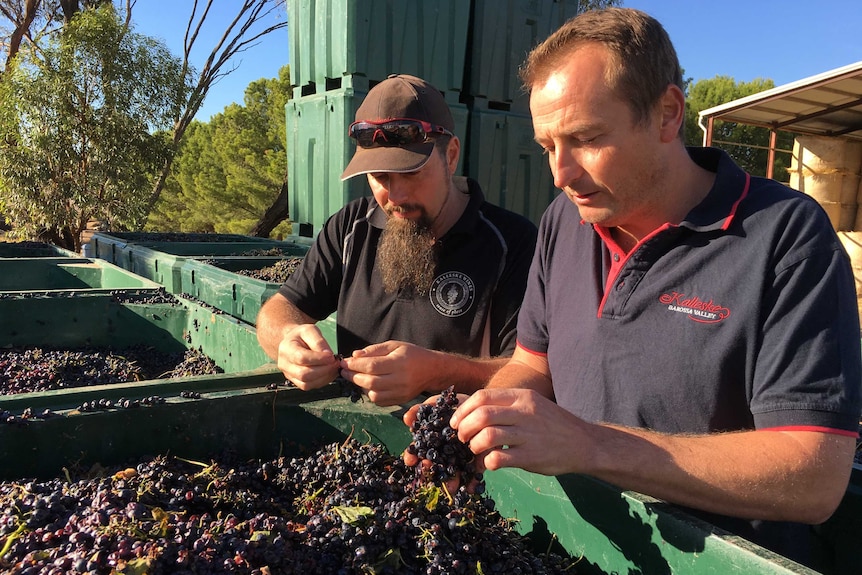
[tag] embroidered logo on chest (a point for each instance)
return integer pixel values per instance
(452, 294)
(696, 309)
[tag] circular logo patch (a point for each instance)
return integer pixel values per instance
(452, 294)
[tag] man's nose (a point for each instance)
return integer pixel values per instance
(397, 189)
(566, 167)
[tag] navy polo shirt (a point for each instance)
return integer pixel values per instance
(743, 316)
(473, 304)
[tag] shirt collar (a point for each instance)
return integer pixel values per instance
(717, 210)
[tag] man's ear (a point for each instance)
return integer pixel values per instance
(672, 108)
(453, 153)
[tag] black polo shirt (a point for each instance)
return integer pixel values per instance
(479, 285)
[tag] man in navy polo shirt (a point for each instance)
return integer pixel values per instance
(689, 331)
(427, 276)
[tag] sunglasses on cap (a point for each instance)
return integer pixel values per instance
(395, 132)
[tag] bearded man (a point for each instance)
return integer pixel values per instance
(426, 276)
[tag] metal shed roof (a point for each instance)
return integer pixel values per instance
(828, 104)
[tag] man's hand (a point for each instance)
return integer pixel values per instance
(521, 428)
(305, 358)
(393, 372)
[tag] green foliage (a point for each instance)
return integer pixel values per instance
(751, 154)
(228, 171)
(79, 127)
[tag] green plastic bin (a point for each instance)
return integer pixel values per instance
(503, 33)
(109, 245)
(67, 274)
(614, 531)
(162, 261)
(167, 323)
(33, 250)
(335, 39)
(215, 281)
(506, 161)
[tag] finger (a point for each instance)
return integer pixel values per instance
(375, 350)
(310, 337)
(410, 415)
(493, 437)
(372, 365)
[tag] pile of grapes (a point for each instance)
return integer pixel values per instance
(31, 369)
(276, 273)
(348, 508)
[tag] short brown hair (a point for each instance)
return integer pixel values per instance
(644, 61)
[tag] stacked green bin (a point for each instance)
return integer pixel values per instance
(501, 152)
(614, 531)
(217, 282)
(332, 42)
(79, 275)
(508, 164)
(122, 320)
(502, 34)
(162, 261)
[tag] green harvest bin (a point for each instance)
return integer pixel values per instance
(109, 246)
(613, 531)
(215, 281)
(120, 320)
(33, 250)
(67, 274)
(318, 149)
(332, 40)
(506, 161)
(161, 261)
(503, 33)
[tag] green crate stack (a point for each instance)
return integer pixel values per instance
(501, 153)
(502, 34)
(334, 41)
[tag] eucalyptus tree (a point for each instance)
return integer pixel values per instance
(80, 127)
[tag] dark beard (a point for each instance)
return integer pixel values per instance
(407, 256)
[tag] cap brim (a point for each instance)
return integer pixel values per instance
(388, 159)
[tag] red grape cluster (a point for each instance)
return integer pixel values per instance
(436, 443)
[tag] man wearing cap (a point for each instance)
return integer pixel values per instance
(427, 276)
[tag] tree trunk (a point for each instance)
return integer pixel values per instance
(275, 214)
(21, 29)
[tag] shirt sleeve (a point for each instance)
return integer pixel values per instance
(807, 370)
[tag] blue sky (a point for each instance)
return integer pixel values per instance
(784, 40)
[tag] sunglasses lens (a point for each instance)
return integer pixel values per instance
(402, 133)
